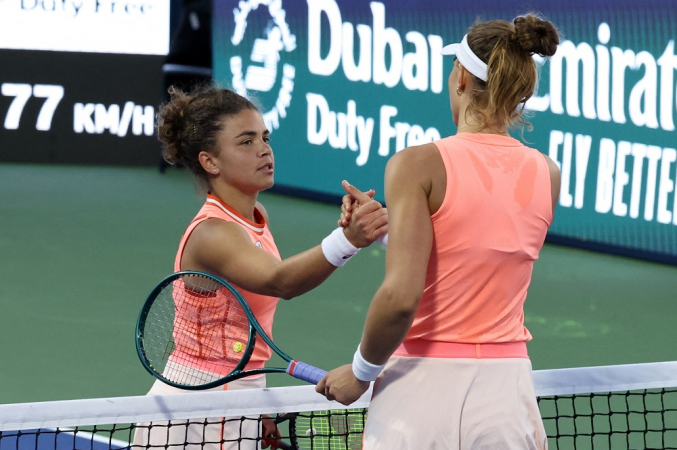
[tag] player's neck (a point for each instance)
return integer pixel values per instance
(242, 202)
(469, 124)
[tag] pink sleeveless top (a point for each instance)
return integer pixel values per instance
(487, 234)
(262, 306)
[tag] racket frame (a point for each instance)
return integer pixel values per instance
(254, 330)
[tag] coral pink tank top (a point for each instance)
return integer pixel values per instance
(487, 234)
(262, 306)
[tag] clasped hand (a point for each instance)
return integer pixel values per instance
(363, 218)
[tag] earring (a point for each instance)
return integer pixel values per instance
(459, 91)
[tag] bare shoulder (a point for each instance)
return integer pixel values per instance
(213, 242)
(417, 156)
(552, 165)
(214, 231)
(415, 165)
(555, 181)
(554, 173)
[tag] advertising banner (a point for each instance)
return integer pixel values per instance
(79, 108)
(345, 84)
(80, 80)
(103, 26)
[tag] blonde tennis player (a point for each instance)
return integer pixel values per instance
(221, 138)
(444, 337)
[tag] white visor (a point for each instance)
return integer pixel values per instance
(465, 56)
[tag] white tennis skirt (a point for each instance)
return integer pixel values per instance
(455, 404)
(203, 434)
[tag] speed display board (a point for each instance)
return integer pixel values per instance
(345, 84)
(80, 80)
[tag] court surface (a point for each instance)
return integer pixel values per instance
(83, 246)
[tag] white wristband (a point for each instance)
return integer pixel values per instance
(363, 369)
(383, 239)
(337, 248)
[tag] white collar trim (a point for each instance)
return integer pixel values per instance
(237, 218)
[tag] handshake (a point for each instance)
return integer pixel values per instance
(363, 219)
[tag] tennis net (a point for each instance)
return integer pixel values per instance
(608, 407)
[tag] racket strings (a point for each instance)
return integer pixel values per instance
(334, 429)
(196, 331)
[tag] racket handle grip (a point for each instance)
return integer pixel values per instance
(305, 372)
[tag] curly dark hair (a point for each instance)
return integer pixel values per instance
(189, 123)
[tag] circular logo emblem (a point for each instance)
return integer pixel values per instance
(262, 74)
(237, 347)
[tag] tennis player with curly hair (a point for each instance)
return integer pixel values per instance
(221, 138)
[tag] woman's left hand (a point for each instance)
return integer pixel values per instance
(270, 432)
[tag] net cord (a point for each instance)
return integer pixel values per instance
(198, 405)
(617, 378)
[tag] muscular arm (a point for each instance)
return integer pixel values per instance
(407, 186)
(225, 249)
(410, 193)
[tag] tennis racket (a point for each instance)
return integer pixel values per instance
(196, 331)
(278, 442)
